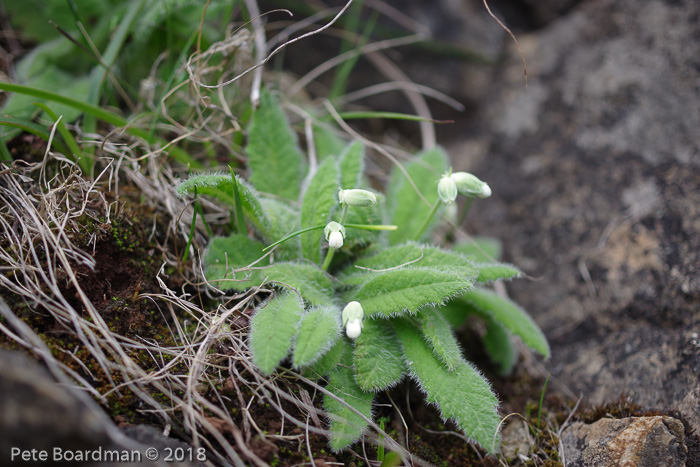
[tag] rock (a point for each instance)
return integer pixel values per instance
(515, 439)
(627, 442)
(595, 169)
(37, 415)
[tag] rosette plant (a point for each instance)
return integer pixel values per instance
(361, 299)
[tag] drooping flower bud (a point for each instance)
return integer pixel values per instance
(447, 190)
(357, 197)
(353, 314)
(354, 329)
(334, 233)
(470, 185)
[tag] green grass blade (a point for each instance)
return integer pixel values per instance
(32, 128)
(86, 162)
(387, 116)
(102, 114)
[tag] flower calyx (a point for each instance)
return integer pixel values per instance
(357, 197)
(447, 190)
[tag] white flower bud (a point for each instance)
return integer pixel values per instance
(470, 185)
(354, 329)
(334, 233)
(357, 197)
(335, 240)
(447, 190)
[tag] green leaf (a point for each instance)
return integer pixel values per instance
(310, 281)
(462, 395)
(510, 315)
(406, 208)
(102, 114)
(368, 216)
(407, 290)
(328, 360)
(318, 331)
(220, 187)
(489, 272)
(228, 254)
(272, 329)
(319, 200)
(455, 313)
(499, 345)
(326, 142)
(482, 249)
(352, 166)
(346, 426)
(225, 255)
(378, 357)
(283, 220)
(437, 332)
(274, 159)
(416, 255)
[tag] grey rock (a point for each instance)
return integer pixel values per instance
(38, 415)
(595, 168)
(628, 442)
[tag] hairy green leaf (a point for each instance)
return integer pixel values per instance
(272, 329)
(407, 290)
(416, 255)
(489, 272)
(499, 345)
(483, 249)
(225, 255)
(407, 209)
(455, 312)
(310, 281)
(274, 159)
(437, 332)
(510, 315)
(346, 426)
(352, 166)
(220, 186)
(378, 357)
(227, 259)
(329, 360)
(462, 395)
(326, 142)
(318, 331)
(319, 200)
(283, 220)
